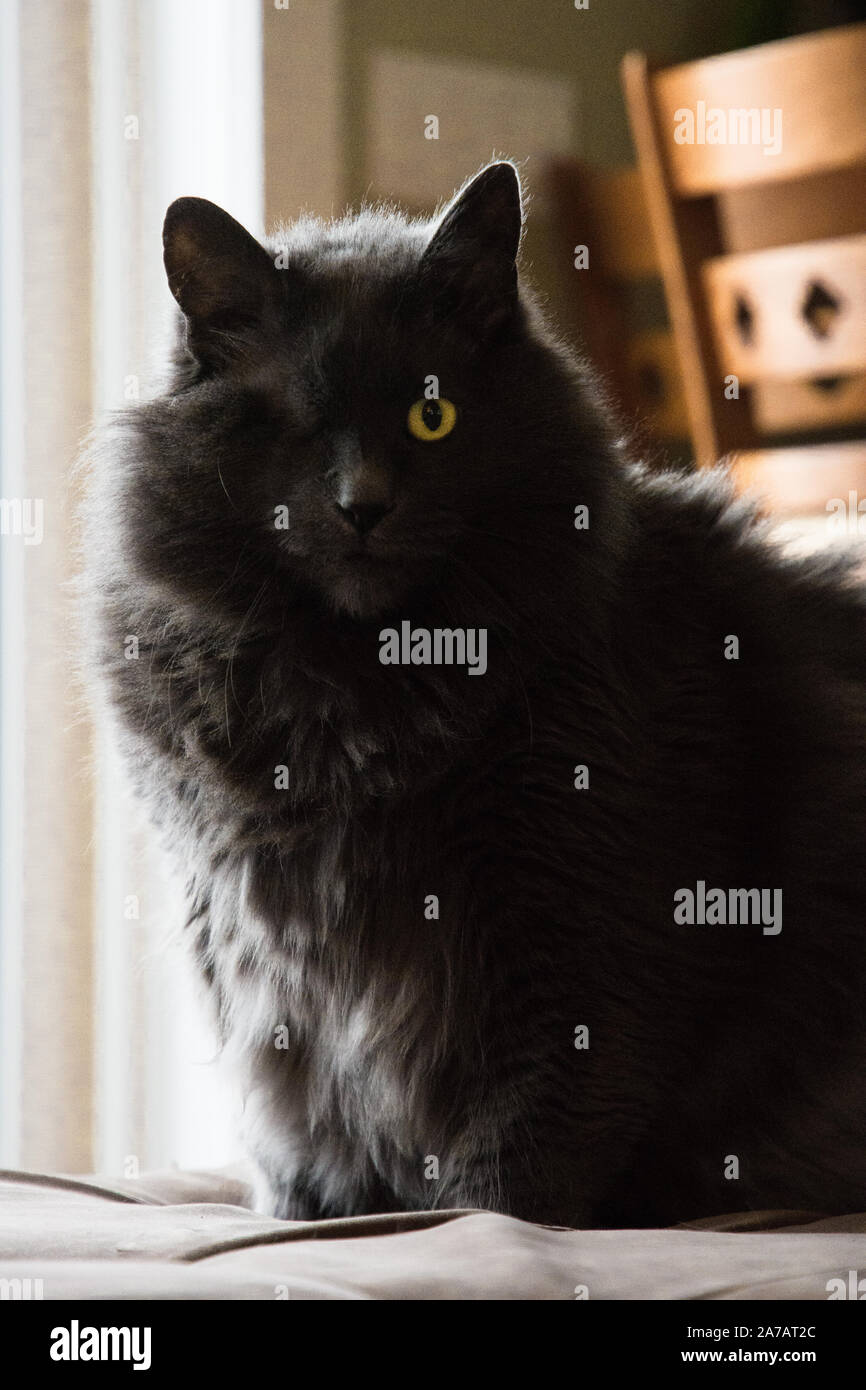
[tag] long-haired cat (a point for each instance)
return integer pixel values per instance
(576, 931)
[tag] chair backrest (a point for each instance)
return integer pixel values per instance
(604, 211)
(754, 169)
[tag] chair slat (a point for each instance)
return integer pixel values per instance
(790, 312)
(781, 407)
(802, 481)
(783, 214)
(817, 83)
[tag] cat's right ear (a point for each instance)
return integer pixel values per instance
(218, 273)
(470, 263)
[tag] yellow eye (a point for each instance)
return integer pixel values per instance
(431, 419)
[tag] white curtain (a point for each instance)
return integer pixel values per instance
(109, 110)
(46, 927)
(180, 113)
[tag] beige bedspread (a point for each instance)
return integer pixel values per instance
(191, 1235)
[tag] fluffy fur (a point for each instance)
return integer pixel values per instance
(410, 1038)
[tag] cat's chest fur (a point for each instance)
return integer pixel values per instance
(327, 984)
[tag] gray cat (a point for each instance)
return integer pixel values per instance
(578, 936)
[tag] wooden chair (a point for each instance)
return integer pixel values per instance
(605, 211)
(763, 255)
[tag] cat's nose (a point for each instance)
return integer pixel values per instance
(363, 515)
(364, 487)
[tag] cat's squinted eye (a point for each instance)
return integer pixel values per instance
(431, 419)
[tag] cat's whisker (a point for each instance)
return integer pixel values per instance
(229, 676)
(223, 485)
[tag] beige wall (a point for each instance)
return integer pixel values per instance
(325, 61)
(580, 48)
(305, 158)
(349, 84)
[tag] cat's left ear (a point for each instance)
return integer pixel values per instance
(217, 271)
(471, 259)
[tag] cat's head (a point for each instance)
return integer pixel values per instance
(357, 408)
